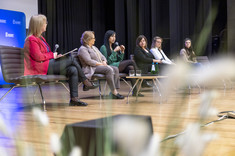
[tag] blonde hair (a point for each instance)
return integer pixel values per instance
(86, 37)
(154, 40)
(35, 25)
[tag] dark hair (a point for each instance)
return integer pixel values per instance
(190, 49)
(106, 41)
(139, 38)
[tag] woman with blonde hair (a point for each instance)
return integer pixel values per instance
(158, 53)
(156, 50)
(93, 61)
(40, 60)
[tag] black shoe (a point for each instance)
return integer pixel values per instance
(118, 96)
(139, 95)
(146, 85)
(77, 102)
(93, 86)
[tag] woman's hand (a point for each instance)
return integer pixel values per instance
(104, 63)
(118, 48)
(101, 64)
(122, 47)
(157, 61)
(56, 56)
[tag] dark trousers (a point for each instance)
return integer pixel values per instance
(69, 67)
(125, 66)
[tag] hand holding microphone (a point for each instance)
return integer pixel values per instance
(119, 48)
(122, 48)
(56, 56)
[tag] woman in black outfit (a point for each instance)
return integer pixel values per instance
(143, 57)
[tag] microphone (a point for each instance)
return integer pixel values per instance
(116, 43)
(56, 47)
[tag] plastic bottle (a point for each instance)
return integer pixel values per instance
(153, 69)
(156, 68)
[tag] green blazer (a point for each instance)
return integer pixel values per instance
(114, 59)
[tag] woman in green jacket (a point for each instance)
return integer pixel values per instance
(115, 54)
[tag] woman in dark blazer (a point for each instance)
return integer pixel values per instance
(143, 57)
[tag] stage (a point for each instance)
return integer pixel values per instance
(168, 117)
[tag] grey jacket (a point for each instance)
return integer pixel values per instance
(89, 58)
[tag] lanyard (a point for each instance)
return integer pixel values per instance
(45, 44)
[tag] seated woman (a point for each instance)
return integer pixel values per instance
(187, 54)
(93, 61)
(40, 60)
(143, 57)
(115, 54)
(156, 50)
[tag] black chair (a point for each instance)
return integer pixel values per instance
(12, 61)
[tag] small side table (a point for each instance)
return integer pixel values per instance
(140, 79)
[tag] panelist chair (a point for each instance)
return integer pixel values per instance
(12, 64)
(99, 77)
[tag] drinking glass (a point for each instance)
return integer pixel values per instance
(131, 73)
(138, 72)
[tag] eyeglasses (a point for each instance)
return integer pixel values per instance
(158, 41)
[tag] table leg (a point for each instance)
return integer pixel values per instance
(138, 90)
(159, 92)
(132, 90)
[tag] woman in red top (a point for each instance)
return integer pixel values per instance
(40, 60)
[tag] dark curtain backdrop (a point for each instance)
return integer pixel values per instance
(173, 20)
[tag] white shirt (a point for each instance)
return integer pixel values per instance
(158, 56)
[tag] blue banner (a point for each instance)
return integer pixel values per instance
(12, 31)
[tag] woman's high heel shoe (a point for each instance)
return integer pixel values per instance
(89, 85)
(117, 96)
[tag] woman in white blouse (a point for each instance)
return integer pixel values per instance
(156, 50)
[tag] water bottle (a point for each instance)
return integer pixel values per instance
(153, 69)
(156, 68)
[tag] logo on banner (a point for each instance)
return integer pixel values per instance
(9, 35)
(3, 21)
(16, 22)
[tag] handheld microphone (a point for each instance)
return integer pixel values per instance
(56, 47)
(116, 43)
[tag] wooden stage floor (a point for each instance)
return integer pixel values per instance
(177, 112)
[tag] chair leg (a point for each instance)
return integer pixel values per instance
(65, 86)
(35, 94)
(7, 93)
(99, 89)
(43, 101)
(105, 87)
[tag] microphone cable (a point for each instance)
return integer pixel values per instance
(222, 116)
